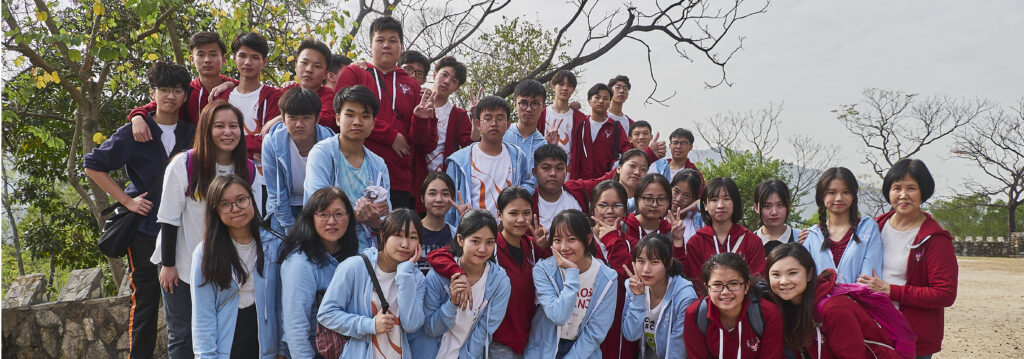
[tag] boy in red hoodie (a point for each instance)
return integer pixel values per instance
(560, 114)
(394, 127)
(553, 193)
(256, 100)
(620, 93)
(450, 123)
(596, 142)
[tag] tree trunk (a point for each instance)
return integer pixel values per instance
(1011, 211)
(14, 224)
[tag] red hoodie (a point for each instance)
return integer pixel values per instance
(635, 231)
(398, 94)
(705, 346)
(579, 190)
(702, 246)
(931, 283)
(457, 135)
(845, 326)
(327, 117)
(197, 100)
(590, 159)
(619, 253)
(515, 328)
(266, 110)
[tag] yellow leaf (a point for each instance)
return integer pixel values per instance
(35, 71)
(98, 138)
(40, 84)
(56, 77)
(120, 68)
(97, 9)
(152, 57)
(41, 15)
(46, 78)
(18, 61)
(350, 55)
(307, 1)
(291, 58)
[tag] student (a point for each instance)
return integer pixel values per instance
(840, 328)
(351, 305)
(206, 51)
(415, 65)
(483, 169)
(529, 99)
(219, 151)
(338, 62)
(286, 150)
(686, 185)
(400, 123)
(653, 195)
(559, 114)
(640, 134)
(236, 276)
(576, 294)
(517, 251)
(464, 328)
(323, 236)
(436, 194)
(657, 299)
(554, 194)
(630, 171)
(771, 203)
(312, 59)
(343, 161)
(257, 101)
(722, 210)
(452, 123)
(620, 87)
(145, 163)
(590, 160)
(920, 269)
(680, 145)
(842, 239)
(728, 332)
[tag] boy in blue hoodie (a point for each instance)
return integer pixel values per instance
(529, 99)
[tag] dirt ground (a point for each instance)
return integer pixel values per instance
(987, 320)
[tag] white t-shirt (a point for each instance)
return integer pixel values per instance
(896, 246)
(690, 229)
(167, 137)
(595, 127)
(387, 345)
(562, 122)
(491, 174)
(247, 254)
(547, 210)
(298, 164)
(453, 339)
(786, 236)
(435, 160)
(622, 120)
(651, 320)
(571, 329)
(249, 104)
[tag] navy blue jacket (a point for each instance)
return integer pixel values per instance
(144, 161)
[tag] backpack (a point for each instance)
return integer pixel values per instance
(190, 171)
(880, 308)
(760, 290)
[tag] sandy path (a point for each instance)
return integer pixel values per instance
(987, 320)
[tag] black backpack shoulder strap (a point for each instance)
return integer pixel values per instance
(702, 316)
(376, 284)
(755, 317)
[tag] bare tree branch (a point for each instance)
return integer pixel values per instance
(996, 145)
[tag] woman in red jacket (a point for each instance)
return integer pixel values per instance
(919, 270)
(652, 195)
(729, 333)
(608, 207)
(722, 209)
(842, 329)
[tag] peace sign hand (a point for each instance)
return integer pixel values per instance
(540, 235)
(460, 206)
(473, 100)
(678, 227)
(635, 284)
(602, 228)
(552, 136)
(425, 109)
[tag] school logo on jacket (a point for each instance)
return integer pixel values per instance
(406, 89)
(753, 344)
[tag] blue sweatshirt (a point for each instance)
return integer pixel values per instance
(668, 333)
(277, 172)
(215, 310)
(860, 257)
(461, 171)
(346, 305)
(557, 297)
(301, 279)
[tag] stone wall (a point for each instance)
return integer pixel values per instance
(79, 324)
(989, 246)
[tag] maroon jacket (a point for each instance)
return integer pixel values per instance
(266, 110)
(634, 232)
(705, 346)
(619, 253)
(702, 246)
(931, 283)
(845, 326)
(197, 100)
(579, 190)
(592, 159)
(457, 135)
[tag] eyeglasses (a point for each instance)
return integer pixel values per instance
(337, 216)
(605, 206)
(494, 119)
(531, 105)
(413, 72)
(732, 286)
(654, 201)
(680, 143)
(242, 203)
(621, 88)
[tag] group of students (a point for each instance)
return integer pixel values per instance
(419, 230)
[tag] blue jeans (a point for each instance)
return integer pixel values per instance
(178, 314)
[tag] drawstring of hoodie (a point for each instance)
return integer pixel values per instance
(739, 341)
(380, 94)
(727, 239)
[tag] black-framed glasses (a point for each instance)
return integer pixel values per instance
(654, 201)
(731, 286)
(242, 202)
(680, 143)
(337, 216)
(413, 72)
(531, 105)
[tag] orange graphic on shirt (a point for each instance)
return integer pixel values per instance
(484, 179)
(376, 345)
(562, 140)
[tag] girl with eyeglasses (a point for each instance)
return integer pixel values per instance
(653, 196)
(323, 235)
(236, 278)
(722, 324)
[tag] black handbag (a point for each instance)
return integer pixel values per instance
(118, 231)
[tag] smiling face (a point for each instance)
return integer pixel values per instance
(249, 62)
(445, 82)
(550, 174)
(609, 207)
(437, 197)
(789, 279)
(838, 197)
(905, 196)
(516, 217)
(720, 207)
(355, 121)
(226, 133)
(682, 195)
(478, 247)
(568, 245)
(727, 300)
(400, 247)
(773, 211)
(651, 269)
(653, 202)
(310, 69)
(208, 59)
(230, 207)
(168, 99)
(385, 47)
(492, 124)
(640, 137)
(331, 223)
(631, 171)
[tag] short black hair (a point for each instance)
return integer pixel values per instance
(299, 101)
(773, 186)
(471, 222)
(563, 75)
(530, 88)
(166, 74)
(656, 179)
(491, 102)
(712, 188)
(550, 151)
(337, 62)
(399, 222)
(639, 124)
(431, 177)
(620, 78)
(917, 170)
(358, 94)
(315, 45)
(681, 132)
(598, 88)
(416, 57)
(728, 260)
(206, 37)
(692, 179)
(578, 225)
(387, 23)
(450, 61)
(251, 40)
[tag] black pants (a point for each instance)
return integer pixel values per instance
(246, 343)
(401, 199)
(142, 315)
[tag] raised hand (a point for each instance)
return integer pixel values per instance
(425, 109)
(383, 322)
(552, 136)
(225, 86)
(678, 227)
(602, 228)
(460, 206)
(473, 100)
(364, 210)
(657, 146)
(575, 105)
(562, 262)
(268, 125)
(540, 235)
(635, 284)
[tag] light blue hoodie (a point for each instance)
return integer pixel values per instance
(668, 333)
(528, 144)
(301, 279)
(441, 313)
(346, 304)
(860, 257)
(461, 171)
(557, 300)
(277, 172)
(215, 310)
(324, 168)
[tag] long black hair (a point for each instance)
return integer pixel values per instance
(842, 174)
(692, 179)
(659, 246)
(220, 259)
(797, 320)
(711, 189)
(507, 195)
(303, 236)
(472, 221)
